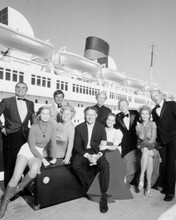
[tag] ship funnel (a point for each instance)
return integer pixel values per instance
(96, 48)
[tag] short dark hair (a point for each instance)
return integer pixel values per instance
(58, 92)
(23, 84)
(90, 108)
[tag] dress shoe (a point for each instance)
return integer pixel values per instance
(103, 204)
(163, 191)
(88, 197)
(168, 197)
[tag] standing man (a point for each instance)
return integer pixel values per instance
(102, 110)
(126, 121)
(164, 115)
(58, 96)
(88, 136)
(17, 112)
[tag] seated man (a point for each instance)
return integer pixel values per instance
(88, 136)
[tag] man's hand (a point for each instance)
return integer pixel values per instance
(4, 131)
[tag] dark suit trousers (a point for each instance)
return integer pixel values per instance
(81, 166)
(11, 146)
(169, 156)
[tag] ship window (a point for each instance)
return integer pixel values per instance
(66, 86)
(58, 84)
(90, 91)
(38, 80)
(83, 89)
(44, 81)
(48, 82)
(15, 77)
(21, 77)
(80, 89)
(93, 91)
(86, 90)
(73, 87)
(46, 102)
(33, 80)
(1, 73)
(7, 74)
(77, 88)
(81, 105)
(36, 100)
(62, 85)
(78, 105)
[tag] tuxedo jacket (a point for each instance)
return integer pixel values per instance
(129, 139)
(55, 115)
(103, 111)
(166, 122)
(13, 123)
(81, 138)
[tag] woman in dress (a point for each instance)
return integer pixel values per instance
(31, 155)
(150, 159)
(118, 189)
(65, 134)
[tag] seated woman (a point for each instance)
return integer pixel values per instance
(150, 159)
(118, 189)
(31, 154)
(65, 134)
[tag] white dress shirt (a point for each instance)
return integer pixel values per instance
(127, 120)
(90, 128)
(158, 110)
(22, 108)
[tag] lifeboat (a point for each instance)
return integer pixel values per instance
(77, 62)
(113, 75)
(138, 84)
(17, 40)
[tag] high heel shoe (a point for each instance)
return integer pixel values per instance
(147, 190)
(141, 184)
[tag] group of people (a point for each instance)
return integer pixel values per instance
(132, 147)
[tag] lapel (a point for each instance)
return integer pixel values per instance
(121, 121)
(15, 108)
(132, 117)
(28, 107)
(163, 109)
(85, 134)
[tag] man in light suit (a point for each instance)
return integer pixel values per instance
(88, 136)
(17, 112)
(164, 115)
(126, 121)
(58, 96)
(102, 110)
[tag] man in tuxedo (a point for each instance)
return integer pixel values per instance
(164, 115)
(88, 136)
(17, 112)
(126, 121)
(102, 110)
(58, 96)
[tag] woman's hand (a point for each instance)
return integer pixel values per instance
(66, 161)
(103, 145)
(45, 162)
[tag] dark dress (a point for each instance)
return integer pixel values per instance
(118, 189)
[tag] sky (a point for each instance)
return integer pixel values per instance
(129, 26)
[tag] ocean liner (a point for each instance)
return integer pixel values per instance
(25, 58)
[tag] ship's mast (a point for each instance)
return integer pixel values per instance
(151, 65)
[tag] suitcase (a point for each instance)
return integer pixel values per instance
(56, 184)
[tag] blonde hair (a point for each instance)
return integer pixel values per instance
(70, 108)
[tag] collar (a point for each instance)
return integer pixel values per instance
(161, 103)
(90, 125)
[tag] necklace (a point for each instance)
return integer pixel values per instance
(43, 130)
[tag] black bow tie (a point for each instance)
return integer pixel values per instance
(59, 105)
(21, 99)
(158, 106)
(126, 115)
